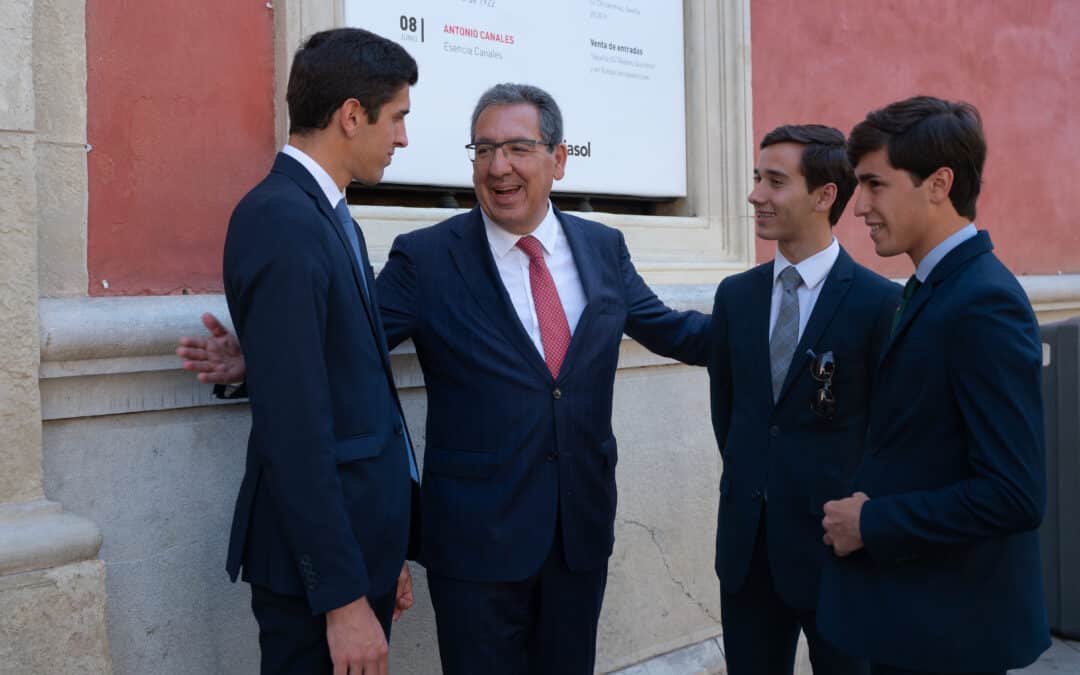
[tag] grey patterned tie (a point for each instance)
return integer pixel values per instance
(785, 335)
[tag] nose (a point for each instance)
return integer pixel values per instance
(754, 197)
(499, 165)
(862, 208)
(401, 139)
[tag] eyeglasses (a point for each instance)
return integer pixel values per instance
(513, 149)
(822, 369)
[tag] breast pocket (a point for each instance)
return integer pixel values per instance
(357, 448)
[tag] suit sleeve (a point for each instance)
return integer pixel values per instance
(720, 372)
(683, 336)
(278, 283)
(994, 358)
(396, 286)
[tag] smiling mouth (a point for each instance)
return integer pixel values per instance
(764, 214)
(875, 227)
(506, 191)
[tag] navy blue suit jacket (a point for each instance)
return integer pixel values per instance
(508, 446)
(324, 507)
(784, 449)
(949, 579)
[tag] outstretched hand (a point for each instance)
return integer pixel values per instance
(217, 359)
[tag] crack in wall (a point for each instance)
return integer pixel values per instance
(671, 575)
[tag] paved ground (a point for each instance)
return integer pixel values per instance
(706, 658)
(1062, 657)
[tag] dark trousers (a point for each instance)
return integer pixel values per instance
(543, 625)
(879, 669)
(292, 640)
(761, 632)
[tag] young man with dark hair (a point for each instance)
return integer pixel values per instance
(936, 566)
(323, 516)
(795, 343)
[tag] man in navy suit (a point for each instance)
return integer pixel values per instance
(323, 515)
(517, 311)
(936, 566)
(795, 344)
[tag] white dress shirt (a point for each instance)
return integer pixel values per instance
(513, 266)
(329, 187)
(813, 271)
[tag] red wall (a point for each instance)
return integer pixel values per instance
(181, 122)
(830, 61)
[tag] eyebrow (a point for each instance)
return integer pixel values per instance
(772, 173)
(863, 177)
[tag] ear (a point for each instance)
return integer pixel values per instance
(560, 161)
(826, 197)
(938, 185)
(351, 117)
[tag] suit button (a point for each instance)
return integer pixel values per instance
(757, 495)
(552, 456)
(397, 431)
(774, 431)
(556, 394)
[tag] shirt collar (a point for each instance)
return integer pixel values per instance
(502, 241)
(814, 269)
(325, 182)
(936, 254)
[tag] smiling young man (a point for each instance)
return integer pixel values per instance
(937, 555)
(323, 515)
(795, 342)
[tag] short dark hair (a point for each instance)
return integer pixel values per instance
(923, 134)
(335, 65)
(508, 93)
(823, 161)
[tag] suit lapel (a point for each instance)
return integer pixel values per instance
(471, 254)
(836, 286)
(760, 301)
(589, 272)
(952, 261)
(290, 167)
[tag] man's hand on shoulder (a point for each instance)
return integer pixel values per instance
(217, 359)
(357, 641)
(841, 523)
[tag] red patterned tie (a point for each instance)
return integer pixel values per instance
(554, 330)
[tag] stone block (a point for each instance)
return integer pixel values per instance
(16, 65)
(60, 70)
(53, 621)
(20, 419)
(62, 213)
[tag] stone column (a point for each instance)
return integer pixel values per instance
(52, 587)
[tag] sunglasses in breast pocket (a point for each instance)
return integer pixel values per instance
(822, 369)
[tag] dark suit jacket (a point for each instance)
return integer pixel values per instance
(324, 507)
(950, 579)
(508, 447)
(800, 459)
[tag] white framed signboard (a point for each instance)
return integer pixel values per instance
(615, 67)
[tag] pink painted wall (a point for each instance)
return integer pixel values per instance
(181, 122)
(830, 61)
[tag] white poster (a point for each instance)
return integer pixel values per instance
(615, 67)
